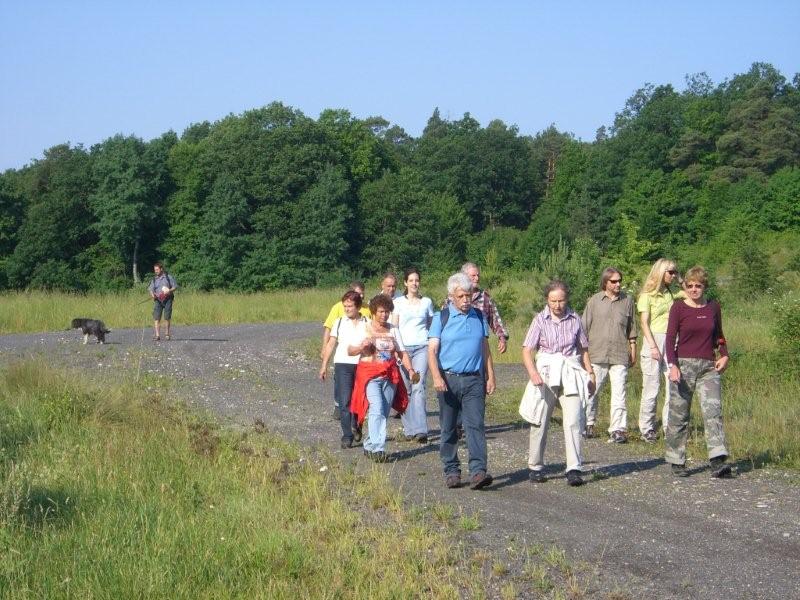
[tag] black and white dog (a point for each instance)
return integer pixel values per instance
(93, 327)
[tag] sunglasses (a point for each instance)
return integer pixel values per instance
(695, 286)
(614, 280)
(672, 271)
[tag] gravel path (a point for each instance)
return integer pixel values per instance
(632, 529)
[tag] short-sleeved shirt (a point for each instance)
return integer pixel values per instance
(337, 311)
(610, 325)
(658, 304)
(564, 336)
(413, 319)
(348, 333)
(461, 340)
(163, 280)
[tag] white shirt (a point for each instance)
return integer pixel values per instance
(348, 333)
(413, 320)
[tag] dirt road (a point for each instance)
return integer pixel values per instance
(632, 529)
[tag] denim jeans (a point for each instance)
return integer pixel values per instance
(465, 395)
(380, 394)
(415, 419)
(344, 376)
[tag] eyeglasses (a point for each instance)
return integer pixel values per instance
(614, 280)
(695, 286)
(671, 271)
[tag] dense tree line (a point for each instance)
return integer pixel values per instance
(273, 198)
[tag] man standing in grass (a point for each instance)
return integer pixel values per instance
(609, 320)
(463, 373)
(337, 312)
(162, 290)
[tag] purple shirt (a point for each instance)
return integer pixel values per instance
(563, 337)
(694, 332)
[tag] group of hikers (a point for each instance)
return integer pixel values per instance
(382, 353)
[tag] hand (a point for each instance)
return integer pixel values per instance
(490, 385)
(501, 345)
(536, 379)
(674, 374)
(633, 356)
(322, 373)
(655, 354)
(439, 384)
(721, 364)
(592, 386)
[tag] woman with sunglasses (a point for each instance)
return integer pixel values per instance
(653, 305)
(696, 355)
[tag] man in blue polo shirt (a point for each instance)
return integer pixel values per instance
(461, 365)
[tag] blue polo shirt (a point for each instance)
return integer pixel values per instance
(461, 341)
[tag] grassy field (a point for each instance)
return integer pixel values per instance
(758, 390)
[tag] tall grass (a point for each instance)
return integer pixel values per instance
(112, 493)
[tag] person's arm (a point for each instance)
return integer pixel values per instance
(439, 384)
(587, 364)
(673, 327)
(174, 286)
(633, 331)
(722, 345)
(496, 323)
(530, 366)
(649, 339)
(327, 351)
(488, 365)
(326, 335)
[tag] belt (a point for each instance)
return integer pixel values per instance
(467, 374)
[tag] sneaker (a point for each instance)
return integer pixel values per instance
(453, 480)
(679, 471)
(590, 432)
(720, 469)
(480, 480)
(346, 443)
(619, 437)
(337, 413)
(650, 437)
(537, 477)
(421, 438)
(574, 478)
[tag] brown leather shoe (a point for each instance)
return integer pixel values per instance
(480, 480)
(453, 481)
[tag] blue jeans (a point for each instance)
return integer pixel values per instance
(344, 376)
(415, 419)
(380, 394)
(465, 395)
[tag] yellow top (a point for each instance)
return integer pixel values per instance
(658, 304)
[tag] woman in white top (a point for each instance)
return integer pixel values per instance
(412, 315)
(349, 330)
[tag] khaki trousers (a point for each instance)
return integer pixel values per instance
(573, 430)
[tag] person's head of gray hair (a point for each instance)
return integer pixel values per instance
(458, 280)
(467, 266)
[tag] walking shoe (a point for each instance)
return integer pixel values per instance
(480, 480)
(590, 432)
(650, 437)
(574, 478)
(346, 443)
(356, 433)
(421, 438)
(719, 468)
(337, 413)
(453, 480)
(619, 437)
(379, 456)
(537, 477)
(679, 471)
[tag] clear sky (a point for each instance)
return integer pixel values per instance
(80, 71)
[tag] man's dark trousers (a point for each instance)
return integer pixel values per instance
(465, 395)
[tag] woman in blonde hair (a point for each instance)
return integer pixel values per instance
(653, 305)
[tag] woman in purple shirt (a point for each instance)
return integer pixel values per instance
(563, 374)
(694, 334)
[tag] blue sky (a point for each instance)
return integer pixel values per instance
(80, 72)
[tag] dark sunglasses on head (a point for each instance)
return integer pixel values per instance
(671, 271)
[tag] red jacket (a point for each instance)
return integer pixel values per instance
(359, 405)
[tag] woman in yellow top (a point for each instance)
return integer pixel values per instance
(653, 305)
